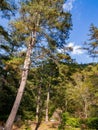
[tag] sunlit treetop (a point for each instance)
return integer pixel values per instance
(92, 45)
(47, 18)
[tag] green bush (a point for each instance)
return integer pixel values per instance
(73, 122)
(64, 118)
(27, 115)
(68, 121)
(92, 123)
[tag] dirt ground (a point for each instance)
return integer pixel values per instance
(44, 126)
(32, 125)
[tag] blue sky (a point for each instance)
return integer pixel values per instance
(84, 12)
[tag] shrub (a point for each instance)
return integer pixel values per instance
(64, 118)
(27, 115)
(73, 122)
(83, 123)
(92, 123)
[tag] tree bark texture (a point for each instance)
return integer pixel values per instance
(38, 103)
(47, 106)
(11, 118)
(85, 108)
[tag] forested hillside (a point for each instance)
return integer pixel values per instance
(40, 83)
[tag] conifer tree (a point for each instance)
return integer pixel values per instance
(92, 44)
(43, 23)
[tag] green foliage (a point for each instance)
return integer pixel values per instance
(6, 101)
(92, 123)
(27, 115)
(72, 87)
(7, 8)
(4, 33)
(5, 5)
(64, 118)
(73, 122)
(50, 22)
(92, 45)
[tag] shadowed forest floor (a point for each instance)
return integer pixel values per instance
(43, 126)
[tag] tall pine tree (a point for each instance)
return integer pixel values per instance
(43, 23)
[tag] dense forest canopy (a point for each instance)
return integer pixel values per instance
(37, 78)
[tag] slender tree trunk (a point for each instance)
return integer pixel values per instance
(85, 108)
(66, 105)
(47, 106)
(38, 109)
(38, 104)
(15, 107)
(37, 125)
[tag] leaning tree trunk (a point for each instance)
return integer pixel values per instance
(15, 107)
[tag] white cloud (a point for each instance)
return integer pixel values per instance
(68, 5)
(76, 49)
(60, 50)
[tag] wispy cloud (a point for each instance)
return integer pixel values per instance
(76, 49)
(68, 5)
(72, 48)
